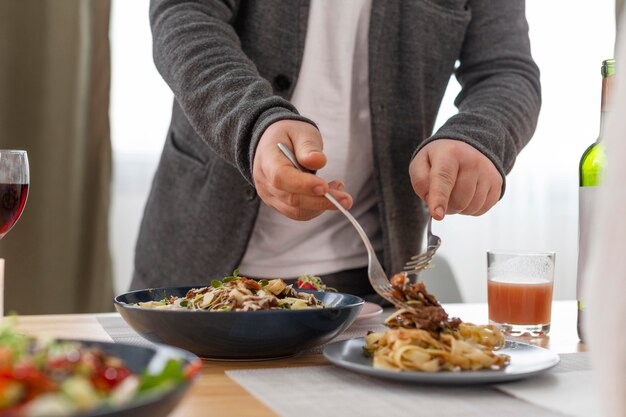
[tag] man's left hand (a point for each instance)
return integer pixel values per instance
(454, 177)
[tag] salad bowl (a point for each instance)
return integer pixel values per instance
(143, 359)
(239, 335)
(78, 378)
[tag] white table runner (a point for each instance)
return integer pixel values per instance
(328, 390)
(567, 392)
(331, 391)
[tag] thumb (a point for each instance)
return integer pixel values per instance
(307, 146)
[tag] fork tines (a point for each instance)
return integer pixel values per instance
(421, 261)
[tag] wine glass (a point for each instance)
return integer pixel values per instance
(14, 181)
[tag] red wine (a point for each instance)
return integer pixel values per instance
(12, 201)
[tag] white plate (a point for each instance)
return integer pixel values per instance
(526, 360)
(369, 310)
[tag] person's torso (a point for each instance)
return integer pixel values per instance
(332, 90)
(410, 62)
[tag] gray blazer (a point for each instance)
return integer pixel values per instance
(233, 65)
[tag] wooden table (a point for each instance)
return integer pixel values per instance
(215, 394)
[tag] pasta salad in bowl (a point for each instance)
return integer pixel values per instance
(237, 318)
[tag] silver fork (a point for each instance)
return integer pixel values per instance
(375, 272)
(422, 261)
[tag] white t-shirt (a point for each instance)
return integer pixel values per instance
(332, 90)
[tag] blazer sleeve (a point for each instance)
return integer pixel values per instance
(199, 55)
(501, 93)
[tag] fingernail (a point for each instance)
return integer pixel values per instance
(341, 186)
(319, 190)
(439, 212)
(345, 203)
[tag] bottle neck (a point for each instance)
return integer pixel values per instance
(603, 117)
(605, 103)
(606, 93)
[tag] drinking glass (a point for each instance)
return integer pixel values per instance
(14, 181)
(519, 291)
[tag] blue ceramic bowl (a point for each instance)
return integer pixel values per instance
(139, 359)
(239, 335)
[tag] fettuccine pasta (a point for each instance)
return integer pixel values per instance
(429, 341)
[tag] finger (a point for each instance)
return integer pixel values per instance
(283, 176)
(443, 175)
(478, 201)
(463, 192)
(492, 198)
(307, 146)
(336, 185)
(313, 203)
(343, 198)
(295, 213)
(419, 172)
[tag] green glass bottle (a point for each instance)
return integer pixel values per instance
(591, 168)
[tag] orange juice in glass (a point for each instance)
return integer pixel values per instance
(519, 291)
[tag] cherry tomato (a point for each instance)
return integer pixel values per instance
(305, 285)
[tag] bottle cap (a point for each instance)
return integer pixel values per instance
(608, 67)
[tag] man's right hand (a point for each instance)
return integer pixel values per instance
(297, 195)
